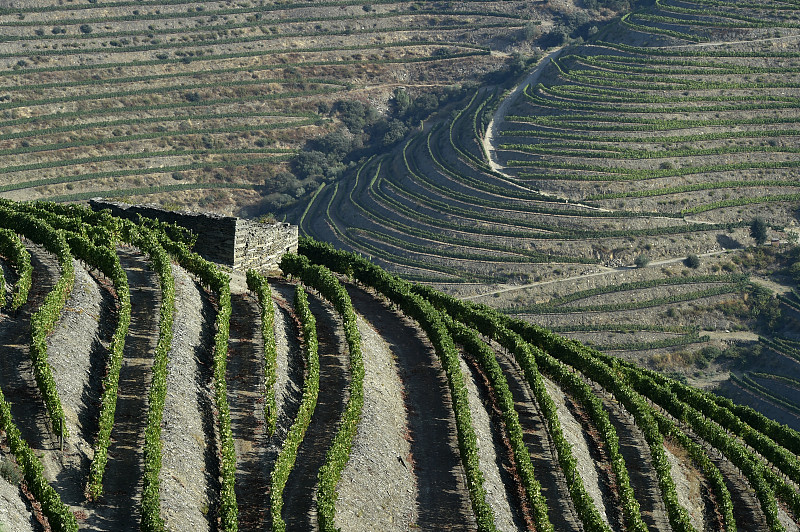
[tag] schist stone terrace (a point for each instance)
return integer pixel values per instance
(235, 242)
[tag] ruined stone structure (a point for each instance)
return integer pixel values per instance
(235, 242)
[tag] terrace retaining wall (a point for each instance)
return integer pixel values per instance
(235, 242)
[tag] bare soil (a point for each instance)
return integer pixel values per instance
(690, 486)
(636, 452)
(579, 440)
(299, 495)
(561, 509)
(78, 355)
(189, 464)
(122, 484)
(442, 501)
(15, 512)
(492, 457)
(246, 397)
(378, 489)
(746, 508)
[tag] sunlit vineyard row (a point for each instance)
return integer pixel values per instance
(590, 441)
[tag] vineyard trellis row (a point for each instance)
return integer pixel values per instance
(750, 441)
(11, 246)
(579, 357)
(337, 455)
(44, 319)
(288, 453)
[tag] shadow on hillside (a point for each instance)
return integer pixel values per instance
(299, 494)
(204, 376)
(442, 498)
(122, 485)
(16, 371)
(246, 396)
(288, 392)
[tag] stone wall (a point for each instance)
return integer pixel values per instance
(260, 245)
(235, 242)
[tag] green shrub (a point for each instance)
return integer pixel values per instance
(758, 230)
(10, 472)
(692, 261)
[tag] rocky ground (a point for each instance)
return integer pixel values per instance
(404, 471)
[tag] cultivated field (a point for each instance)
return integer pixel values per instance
(201, 103)
(151, 391)
(615, 197)
(661, 138)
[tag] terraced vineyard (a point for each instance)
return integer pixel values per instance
(656, 143)
(152, 391)
(202, 103)
(614, 197)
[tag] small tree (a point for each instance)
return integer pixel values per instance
(642, 261)
(758, 230)
(692, 261)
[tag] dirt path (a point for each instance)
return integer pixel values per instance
(771, 285)
(442, 500)
(75, 349)
(299, 495)
(604, 270)
(561, 510)
(493, 129)
(189, 462)
(246, 397)
(119, 508)
(731, 335)
(727, 43)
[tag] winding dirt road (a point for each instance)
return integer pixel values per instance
(498, 118)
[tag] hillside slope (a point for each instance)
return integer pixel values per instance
(202, 104)
(376, 394)
(612, 195)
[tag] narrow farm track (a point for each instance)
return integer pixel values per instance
(489, 140)
(245, 379)
(442, 497)
(300, 492)
(560, 507)
(189, 449)
(119, 508)
(636, 452)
